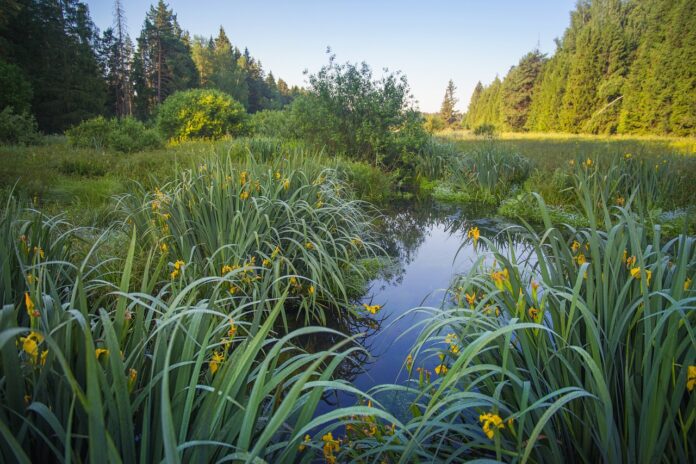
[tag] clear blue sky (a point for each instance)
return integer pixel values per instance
(431, 41)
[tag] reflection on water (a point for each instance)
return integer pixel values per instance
(427, 241)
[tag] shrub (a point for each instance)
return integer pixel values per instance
(349, 112)
(125, 135)
(272, 123)
(18, 129)
(434, 123)
(200, 114)
(485, 130)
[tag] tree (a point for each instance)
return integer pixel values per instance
(163, 63)
(518, 90)
(15, 90)
(54, 43)
(447, 111)
(473, 110)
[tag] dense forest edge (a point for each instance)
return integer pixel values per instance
(621, 67)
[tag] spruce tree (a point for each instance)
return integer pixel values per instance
(163, 63)
(447, 111)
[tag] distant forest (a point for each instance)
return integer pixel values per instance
(622, 66)
(56, 65)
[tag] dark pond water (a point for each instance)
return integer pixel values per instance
(428, 243)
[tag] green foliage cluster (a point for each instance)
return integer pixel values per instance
(348, 111)
(18, 129)
(620, 67)
(124, 135)
(200, 114)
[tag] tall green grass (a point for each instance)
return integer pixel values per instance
(259, 222)
(147, 369)
(578, 347)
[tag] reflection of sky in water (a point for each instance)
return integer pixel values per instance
(422, 281)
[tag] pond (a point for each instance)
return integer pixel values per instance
(428, 243)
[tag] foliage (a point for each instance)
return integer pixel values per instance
(485, 130)
(349, 112)
(15, 90)
(18, 129)
(200, 114)
(257, 222)
(272, 123)
(124, 135)
(492, 168)
(147, 372)
(54, 45)
(433, 123)
(162, 64)
(447, 111)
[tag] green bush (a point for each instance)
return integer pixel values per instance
(125, 135)
(18, 129)
(434, 123)
(271, 123)
(485, 130)
(349, 112)
(201, 114)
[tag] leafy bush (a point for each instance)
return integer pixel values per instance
(201, 114)
(485, 130)
(18, 129)
(349, 112)
(434, 123)
(125, 135)
(272, 123)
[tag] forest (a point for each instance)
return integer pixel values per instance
(200, 262)
(620, 68)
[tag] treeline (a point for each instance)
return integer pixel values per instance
(56, 65)
(622, 66)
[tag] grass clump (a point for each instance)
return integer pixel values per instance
(255, 223)
(125, 135)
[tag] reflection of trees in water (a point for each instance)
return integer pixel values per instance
(405, 225)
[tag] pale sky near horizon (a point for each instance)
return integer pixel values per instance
(430, 42)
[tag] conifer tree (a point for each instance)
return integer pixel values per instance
(447, 111)
(163, 62)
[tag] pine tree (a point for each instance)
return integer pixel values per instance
(447, 111)
(116, 57)
(472, 112)
(54, 42)
(518, 90)
(163, 63)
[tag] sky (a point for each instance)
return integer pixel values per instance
(430, 41)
